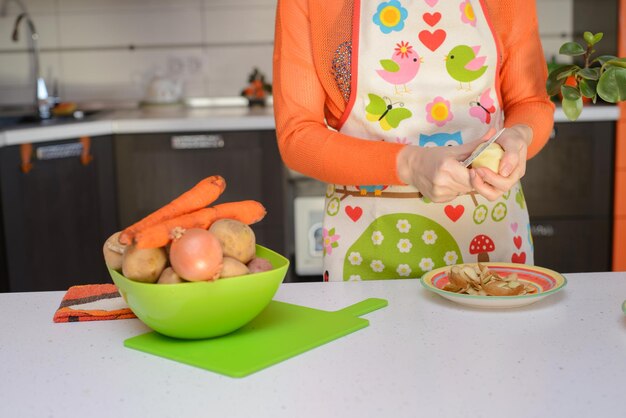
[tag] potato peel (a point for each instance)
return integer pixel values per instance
(477, 279)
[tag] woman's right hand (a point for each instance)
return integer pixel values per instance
(436, 171)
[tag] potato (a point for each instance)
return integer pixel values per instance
(237, 239)
(113, 252)
(144, 265)
(169, 276)
(489, 158)
(233, 267)
(259, 264)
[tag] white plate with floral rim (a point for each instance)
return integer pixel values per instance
(546, 281)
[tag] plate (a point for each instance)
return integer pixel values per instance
(546, 281)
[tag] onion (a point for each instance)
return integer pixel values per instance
(197, 255)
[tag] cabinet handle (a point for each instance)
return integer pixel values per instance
(85, 155)
(81, 149)
(197, 141)
(26, 154)
(540, 230)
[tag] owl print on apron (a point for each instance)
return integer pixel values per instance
(423, 72)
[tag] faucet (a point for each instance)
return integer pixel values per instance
(43, 102)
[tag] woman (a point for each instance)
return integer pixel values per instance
(382, 99)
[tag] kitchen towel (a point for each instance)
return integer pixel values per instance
(92, 302)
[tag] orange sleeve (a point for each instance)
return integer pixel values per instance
(524, 71)
(305, 142)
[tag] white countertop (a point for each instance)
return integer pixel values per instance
(182, 119)
(146, 120)
(564, 356)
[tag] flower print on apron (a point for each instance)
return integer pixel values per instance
(424, 72)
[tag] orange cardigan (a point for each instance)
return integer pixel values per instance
(306, 96)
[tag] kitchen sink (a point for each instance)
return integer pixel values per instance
(16, 119)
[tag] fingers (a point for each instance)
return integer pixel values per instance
(514, 158)
(490, 184)
(484, 188)
(509, 162)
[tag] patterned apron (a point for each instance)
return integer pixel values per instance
(424, 73)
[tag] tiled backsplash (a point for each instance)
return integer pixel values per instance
(109, 49)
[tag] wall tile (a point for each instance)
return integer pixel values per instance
(125, 74)
(46, 26)
(72, 6)
(254, 24)
(229, 68)
(139, 28)
(237, 3)
(556, 26)
(16, 78)
(32, 6)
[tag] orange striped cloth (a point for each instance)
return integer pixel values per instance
(92, 302)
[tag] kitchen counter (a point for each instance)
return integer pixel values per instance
(152, 119)
(564, 356)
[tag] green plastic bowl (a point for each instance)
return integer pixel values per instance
(197, 310)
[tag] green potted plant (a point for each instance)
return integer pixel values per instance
(603, 76)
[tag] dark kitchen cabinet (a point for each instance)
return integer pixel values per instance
(152, 169)
(56, 217)
(568, 188)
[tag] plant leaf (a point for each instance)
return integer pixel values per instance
(590, 73)
(617, 62)
(567, 73)
(597, 37)
(602, 59)
(572, 49)
(570, 93)
(588, 88)
(553, 86)
(588, 37)
(572, 108)
(554, 83)
(612, 85)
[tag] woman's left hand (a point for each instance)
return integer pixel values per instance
(514, 141)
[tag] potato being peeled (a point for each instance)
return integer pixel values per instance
(237, 239)
(489, 158)
(143, 265)
(113, 252)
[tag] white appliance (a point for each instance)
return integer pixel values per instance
(308, 217)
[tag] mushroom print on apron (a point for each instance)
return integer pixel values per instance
(423, 72)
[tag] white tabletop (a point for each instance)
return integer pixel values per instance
(564, 356)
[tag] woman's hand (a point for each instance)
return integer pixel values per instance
(436, 171)
(514, 141)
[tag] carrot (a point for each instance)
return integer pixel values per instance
(159, 235)
(246, 211)
(202, 194)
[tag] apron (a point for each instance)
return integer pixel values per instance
(423, 73)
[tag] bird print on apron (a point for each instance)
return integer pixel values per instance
(423, 72)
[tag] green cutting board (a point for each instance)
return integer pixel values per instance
(281, 331)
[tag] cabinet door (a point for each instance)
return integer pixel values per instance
(57, 217)
(568, 188)
(572, 246)
(573, 175)
(152, 172)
